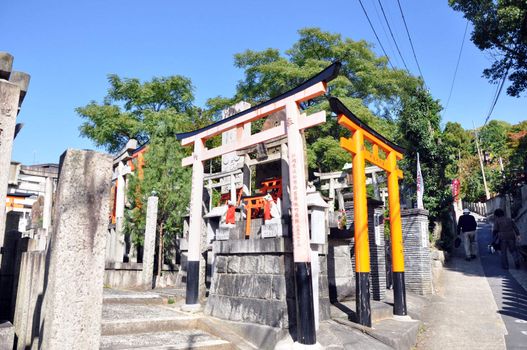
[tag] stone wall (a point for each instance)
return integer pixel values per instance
(417, 263)
(376, 242)
(521, 216)
(30, 295)
(341, 275)
(253, 281)
(129, 275)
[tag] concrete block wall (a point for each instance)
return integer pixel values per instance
(341, 275)
(128, 275)
(377, 254)
(253, 281)
(376, 243)
(521, 217)
(417, 262)
(30, 296)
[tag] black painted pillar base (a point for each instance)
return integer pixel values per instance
(363, 309)
(192, 283)
(399, 294)
(305, 315)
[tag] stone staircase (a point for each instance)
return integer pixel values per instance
(144, 320)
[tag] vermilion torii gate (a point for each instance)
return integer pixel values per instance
(295, 122)
(361, 132)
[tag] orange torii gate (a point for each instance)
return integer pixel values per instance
(361, 132)
(293, 125)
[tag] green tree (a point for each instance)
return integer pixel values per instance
(366, 85)
(419, 132)
(151, 112)
(122, 114)
(500, 27)
(457, 143)
(493, 138)
(164, 176)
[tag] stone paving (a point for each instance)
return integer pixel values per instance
(185, 339)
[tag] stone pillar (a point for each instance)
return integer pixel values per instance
(120, 197)
(149, 247)
(48, 203)
(231, 161)
(73, 297)
(377, 249)
(418, 268)
(9, 97)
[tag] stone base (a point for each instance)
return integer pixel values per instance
(253, 281)
(191, 308)
(298, 346)
(7, 335)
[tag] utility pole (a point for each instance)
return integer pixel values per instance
(487, 193)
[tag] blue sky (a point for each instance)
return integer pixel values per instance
(69, 47)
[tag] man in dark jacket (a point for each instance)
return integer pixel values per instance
(467, 225)
(508, 234)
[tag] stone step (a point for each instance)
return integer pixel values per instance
(174, 293)
(175, 340)
(346, 309)
(397, 333)
(119, 318)
(115, 296)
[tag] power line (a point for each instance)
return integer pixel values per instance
(392, 50)
(410, 39)
(393, 37)
(374, 32)
(457, 66)
(499, 88)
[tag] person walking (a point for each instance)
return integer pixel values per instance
(508, 234)
(467, 225)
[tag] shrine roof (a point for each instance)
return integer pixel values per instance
(326, 75)
(339, 108)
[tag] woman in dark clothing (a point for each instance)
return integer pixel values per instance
(508, 234)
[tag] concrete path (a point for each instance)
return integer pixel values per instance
(478, 305)
(463, 314)
(506, 286)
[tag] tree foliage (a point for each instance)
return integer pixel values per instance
(419, 131)
(164, 176)
(366, 85)
(500, 27)
(493, 138)
(124, 112)
(151, 112)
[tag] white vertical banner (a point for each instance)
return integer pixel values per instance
(420, 185)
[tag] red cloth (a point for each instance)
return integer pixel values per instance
(267, 210)
(230, 217)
